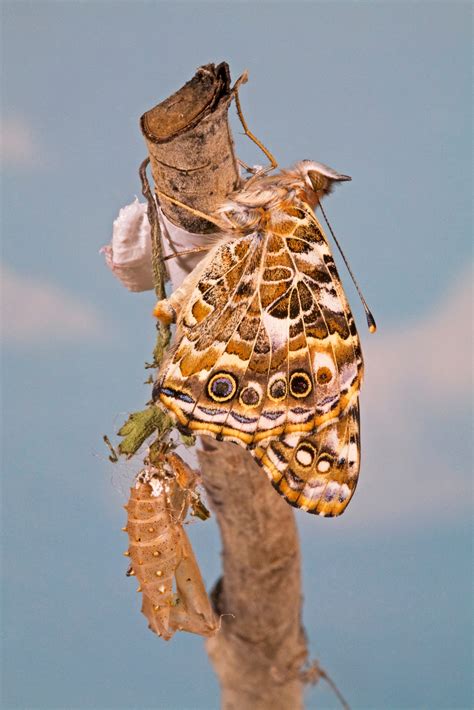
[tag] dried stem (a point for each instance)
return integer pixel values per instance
(159, 273)
(261, 649)
(158, 265)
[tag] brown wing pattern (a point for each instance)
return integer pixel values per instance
(267, 354)
(317, 473)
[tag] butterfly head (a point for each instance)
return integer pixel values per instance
(318, 179)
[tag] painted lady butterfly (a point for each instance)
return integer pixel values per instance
(266, 352)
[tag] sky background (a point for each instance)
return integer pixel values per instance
(378, 90)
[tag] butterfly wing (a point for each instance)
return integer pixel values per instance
(317, 473)
(213, 342)
(266, 345)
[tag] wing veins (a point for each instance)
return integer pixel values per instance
(261, 324)
(171, 372)
(233, 332)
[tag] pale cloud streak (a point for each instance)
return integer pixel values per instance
(432, 356)
(416, 464)
(20, 146)
(35, 311)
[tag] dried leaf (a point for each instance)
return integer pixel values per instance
(139, 426)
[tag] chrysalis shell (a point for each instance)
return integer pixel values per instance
(128, 256)
(161, 554)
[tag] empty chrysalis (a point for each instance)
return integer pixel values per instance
(161, 556)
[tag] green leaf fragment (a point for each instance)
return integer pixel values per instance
(139, 426)
(187, 439)
(199, 510)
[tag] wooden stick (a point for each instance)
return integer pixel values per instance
(260, 651)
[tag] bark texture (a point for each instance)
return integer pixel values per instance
(190, 146)
(261, 648)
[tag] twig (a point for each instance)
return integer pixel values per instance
(192, 159)
(159, 271)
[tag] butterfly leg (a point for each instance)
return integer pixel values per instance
(186, 252)
(196, 213)
(246, 167)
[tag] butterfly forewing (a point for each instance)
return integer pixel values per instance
(267, 356)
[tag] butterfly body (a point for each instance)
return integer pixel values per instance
(266, 351)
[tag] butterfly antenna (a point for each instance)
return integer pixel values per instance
(370, 319)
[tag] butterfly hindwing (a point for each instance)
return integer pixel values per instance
(319, 472)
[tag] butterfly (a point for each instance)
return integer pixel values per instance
(266, 352)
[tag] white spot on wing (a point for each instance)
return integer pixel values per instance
(304, 457)
(347, 374)
(322, 359)
(353, 453)
(277, 330)
(314, 492)
(344, 492)
(292, 440)
(329, 301)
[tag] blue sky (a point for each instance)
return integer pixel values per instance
(378, 90)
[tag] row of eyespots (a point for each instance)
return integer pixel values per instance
(306, 453)
(222, 387)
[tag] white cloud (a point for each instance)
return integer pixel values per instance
(416, 461)
(432, 356)
(37, 312)
(20, 146)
